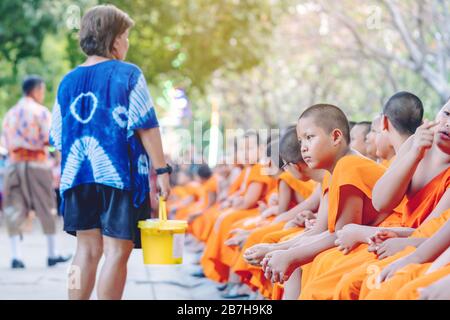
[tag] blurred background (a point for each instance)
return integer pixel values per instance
(263, 60)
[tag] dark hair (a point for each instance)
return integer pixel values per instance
(351, 124)
(405, 111)
(366, 125)
(290, 147)
(329, 117)
(30, 83)
(273, 152)
(100, 26)
(204, 171)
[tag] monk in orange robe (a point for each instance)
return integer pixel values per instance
(413, 269)
(297, 177)
(207, 194)
(323, 131)
(424, 148)
(257, 186)
(203, 225)
(392, 133)
(358, 136)
(186, 192)
(228, 183)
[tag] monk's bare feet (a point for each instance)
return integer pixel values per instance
(291, 224)
(254, 255)
(279, 265)
(237, 240)
(349, 237)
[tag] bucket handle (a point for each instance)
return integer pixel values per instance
(162, 209)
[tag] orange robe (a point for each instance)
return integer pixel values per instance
(205, 188)
(410, 290)
(272, 232)
(182, 192)
(354, 170)
(340, 276)
(406, 281)
(201, 227)
(277, 288)
(211, 260)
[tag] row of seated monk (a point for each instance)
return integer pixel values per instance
(351, 211)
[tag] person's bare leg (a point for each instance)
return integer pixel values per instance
(84, 265)
(114, 270)
(293, 285)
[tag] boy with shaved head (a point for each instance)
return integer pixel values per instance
(323, 132)
(358, 136)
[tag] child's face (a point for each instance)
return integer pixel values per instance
(121, 45)
(299, 171)
(442, 134)
(358, 139)
(316, 145)
(371, 147)
(383, 145)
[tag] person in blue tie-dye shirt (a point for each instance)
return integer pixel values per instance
(104, 124)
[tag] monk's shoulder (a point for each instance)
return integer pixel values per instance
(356, 163)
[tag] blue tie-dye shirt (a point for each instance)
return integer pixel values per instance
(97, 110)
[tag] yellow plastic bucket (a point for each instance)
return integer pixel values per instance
(162, 239)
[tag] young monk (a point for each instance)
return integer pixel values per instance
(245, 205)
(229, 187)
(206, 192)
(185, 193)
(417, 271)
(324, 136)
(427, 180)
(427, 153)
(328, 268)
(371, 148)
(298, 176)
(358, 136)
(226, 177)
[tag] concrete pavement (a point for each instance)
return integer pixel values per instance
(38, 282)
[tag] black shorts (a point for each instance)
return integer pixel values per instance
(96, 206)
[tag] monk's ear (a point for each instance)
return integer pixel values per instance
(385, 123)
(337, 136)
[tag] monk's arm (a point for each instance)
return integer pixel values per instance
(393, 185)
(284, 196)
(433, 247)
(443, 205)
(298, 197)
(252, 196)
(362, 233)
(212, 196)
(441, 261)
(350, 211)
(314, 233)
(311, 204)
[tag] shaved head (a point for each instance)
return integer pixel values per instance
(405, 111)
(328, 117)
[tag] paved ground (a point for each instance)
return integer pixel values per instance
(40, 282)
